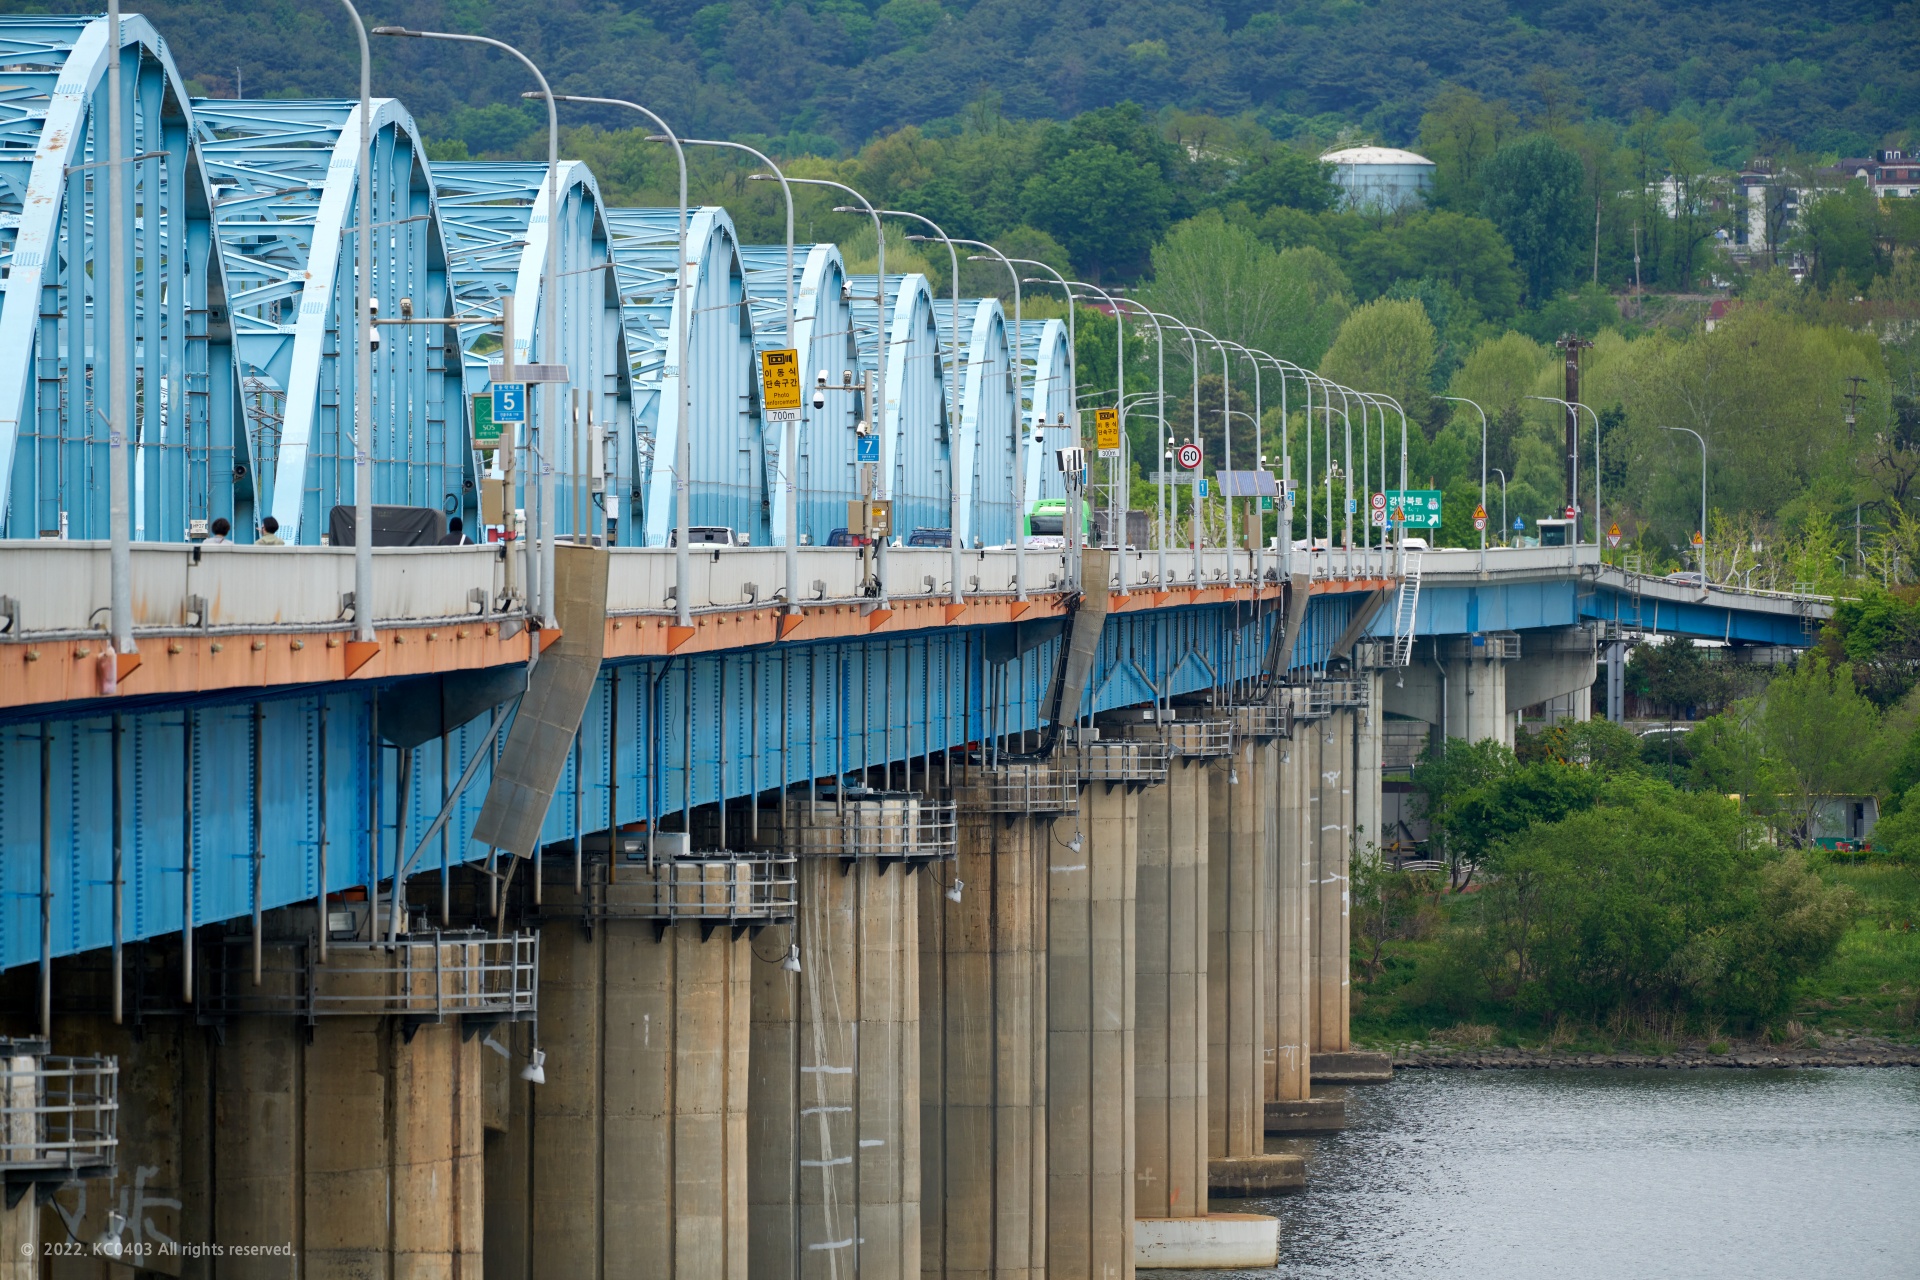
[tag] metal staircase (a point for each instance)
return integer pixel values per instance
(1406, 610)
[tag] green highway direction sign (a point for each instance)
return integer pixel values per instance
(1422, 507)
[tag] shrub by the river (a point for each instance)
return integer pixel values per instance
(1643, 901)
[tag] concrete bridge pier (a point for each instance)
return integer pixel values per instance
(1304, 797)
(983, 1048)
(1172, 1226)
(350, 1140)
(362, 1146)
(1331, 896)
(1242, 908)
(1368, 738)
(834, 1106)
(1170, 1028)
(1090, 1035)
(635, 1146)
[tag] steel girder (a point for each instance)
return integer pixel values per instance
(59, 299)
(494, 217)
(285, 176)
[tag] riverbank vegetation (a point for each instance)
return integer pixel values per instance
(1602, 890)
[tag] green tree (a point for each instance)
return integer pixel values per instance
(1878, 636)
(1107, 207)
(1284, 177)
(1841, 231)
(1385, 346)
(1447, 777)
(1533, 194)
(1650, 902)
(1828, 738)
(1222, 278)
(1460, 133)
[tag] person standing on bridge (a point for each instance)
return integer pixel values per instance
(269, 534)
(456, 534)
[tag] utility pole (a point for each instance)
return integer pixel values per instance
(1854, 396)
(1571, 345)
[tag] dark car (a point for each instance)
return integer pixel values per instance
(930, 538)
(841, 538)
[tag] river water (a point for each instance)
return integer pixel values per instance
(1602, 1174)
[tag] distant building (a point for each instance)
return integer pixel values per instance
(1380, 179)
(1887, 173)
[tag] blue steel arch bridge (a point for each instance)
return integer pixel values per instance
(252, 754)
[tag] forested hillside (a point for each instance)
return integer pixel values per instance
(1828, 75)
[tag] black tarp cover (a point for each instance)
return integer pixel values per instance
(392, 526)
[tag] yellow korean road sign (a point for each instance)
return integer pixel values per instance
(780, 380)
(1106, 428)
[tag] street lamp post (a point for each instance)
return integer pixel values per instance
(790, 445)
(876, 411)
(1193, 352)
(1118, 476)
(1483, 470)
(953, 389)
(1226, 429)
(1573, 407)
(1075, 513)
(550, 329)
(1400, 525)
(120, 377)
(363, 344)
(1020, 420)
(1286, 462)
(1160, 414)
(1260, 461)
(1703, 499)
(683, 445)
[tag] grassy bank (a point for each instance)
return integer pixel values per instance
(1871, 985)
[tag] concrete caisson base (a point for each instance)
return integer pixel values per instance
(1215, 1240)
(1307, 1115)
(1352, 1068)
(1237, 1177)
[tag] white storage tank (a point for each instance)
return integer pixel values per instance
(1380, 179)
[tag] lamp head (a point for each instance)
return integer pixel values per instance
(396, 31)
(954, 890)
(535, 1072)
(1075, 843)
(792, 962)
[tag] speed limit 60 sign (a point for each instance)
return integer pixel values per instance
(1188, 455)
